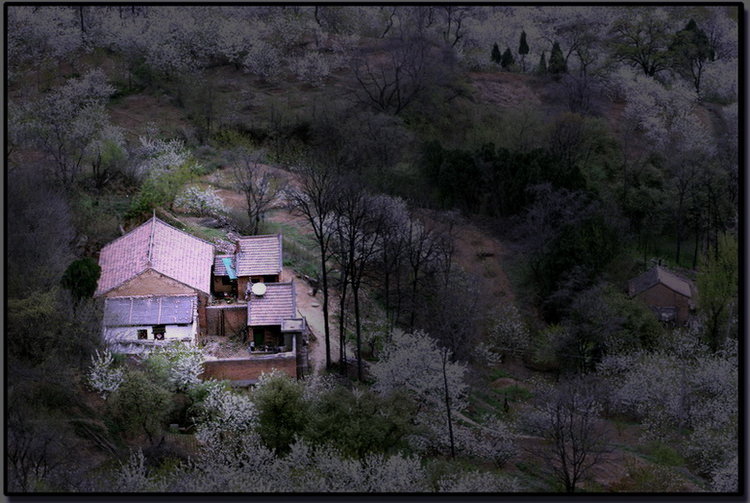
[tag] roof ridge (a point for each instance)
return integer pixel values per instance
(151, 240)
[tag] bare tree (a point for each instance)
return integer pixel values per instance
(358, 226)
(260, 187)
(421, 251)
(392, 80)
(567, 420)
(315, 199)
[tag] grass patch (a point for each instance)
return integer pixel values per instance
(299, 248)
(663, 454)
(206, 233)
(496, 374)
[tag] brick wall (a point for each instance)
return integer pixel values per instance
(234, 316)
(150, 282)
(661, 296)
(248, 369)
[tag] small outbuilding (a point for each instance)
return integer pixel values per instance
(272, 315)
(668, 294)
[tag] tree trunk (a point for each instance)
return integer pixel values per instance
(448, 403)
(342, 328)
(357, 323)
(325, 306)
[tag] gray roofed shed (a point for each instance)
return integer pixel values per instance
(152, 310)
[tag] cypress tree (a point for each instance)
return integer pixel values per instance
(523, 50)
(542, 66)
(496, 54)
(557, 63)
(507, 60)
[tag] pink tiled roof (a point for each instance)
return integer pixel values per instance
(159, 246)
(259, 255)
(276, 304)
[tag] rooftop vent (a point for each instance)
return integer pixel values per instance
(259, 289)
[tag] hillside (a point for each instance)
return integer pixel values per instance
(482, 204)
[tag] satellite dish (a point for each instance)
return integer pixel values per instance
(259, 289)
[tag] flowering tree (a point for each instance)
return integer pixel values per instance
(69, 121)
(223, 416)
(103, 376)
(180, 363)
(508, 335)
(415, 362)
(204, 202)
(682, 386)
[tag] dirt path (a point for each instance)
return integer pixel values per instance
(311, 308)
(482, 256)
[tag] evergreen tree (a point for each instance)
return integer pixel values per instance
(689, 50)
(507, 60)
(541, 68)
(523, 50)
(557, 64)
(496, 54)
(81, 278)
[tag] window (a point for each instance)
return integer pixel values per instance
(142, 334)
(226, 281)
(159, 331)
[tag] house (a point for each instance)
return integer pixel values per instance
(669, 295)
(160, 284)
(272, 315)
(157, 273)
(257, 259)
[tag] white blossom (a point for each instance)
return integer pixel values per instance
(204, 202)
(103, 377)
(415, 362)
(182, 363)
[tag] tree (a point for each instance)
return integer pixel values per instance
(690, 50)
(315, 199)
(282, 410)
(67, 122)
(557, 64)
(508, 334)
(541, 68)
(358, 225)
(406, 70)
(507, 60)
(496, 56)
(140, 405)
(359, 422)
(641, 40)
(259, 185)
(717, 289)
(523, 50)
(567, 419)
(103, 377)
(416, 363)
(81, 278)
